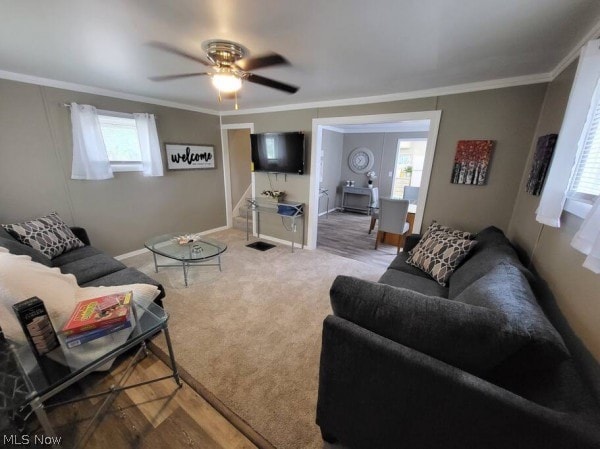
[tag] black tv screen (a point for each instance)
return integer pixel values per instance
(278, 152)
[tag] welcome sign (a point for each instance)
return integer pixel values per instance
(183, 156)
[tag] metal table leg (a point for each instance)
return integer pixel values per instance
(185, 273)
(155, 264)
(172, 357)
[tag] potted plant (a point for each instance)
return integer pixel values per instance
(371, 175)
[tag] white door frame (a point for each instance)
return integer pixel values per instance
(227, 168)
(434, 118)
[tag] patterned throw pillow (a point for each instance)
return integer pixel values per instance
(440, 255)
(436, 227)
(49, 235)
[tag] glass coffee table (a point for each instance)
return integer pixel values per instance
(199, 250)
(31, 383)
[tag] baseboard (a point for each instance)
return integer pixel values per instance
(330, 210)
(297, 245)
(138, 252)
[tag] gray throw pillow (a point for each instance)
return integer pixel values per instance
(440, 254)
(49, 235)
(436, 227)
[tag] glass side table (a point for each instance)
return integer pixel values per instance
(37, 379)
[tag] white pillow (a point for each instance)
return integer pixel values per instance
(21, 278)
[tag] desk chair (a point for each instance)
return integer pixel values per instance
(411, 194)
(392, 219)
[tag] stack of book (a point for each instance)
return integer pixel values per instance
(98, 317)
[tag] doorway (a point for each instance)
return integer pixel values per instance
(238, 177)
(403, 147)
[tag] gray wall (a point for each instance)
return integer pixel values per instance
(332, 147)
(506, 115)
(576, 289)
(120, 213)
(384, 147)
(238, 141)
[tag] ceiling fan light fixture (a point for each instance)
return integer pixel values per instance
(226, 82)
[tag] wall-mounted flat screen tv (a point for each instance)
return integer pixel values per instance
(278, 152)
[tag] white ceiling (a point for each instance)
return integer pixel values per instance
(339, 49)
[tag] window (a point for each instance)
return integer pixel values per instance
(121, 140)
(585, 182)
(408, 170)
(573, 181)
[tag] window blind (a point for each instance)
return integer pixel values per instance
(585, 182)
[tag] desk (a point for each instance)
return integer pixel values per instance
(370, 198)
(287, 210)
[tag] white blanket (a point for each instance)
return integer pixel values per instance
(21, 278)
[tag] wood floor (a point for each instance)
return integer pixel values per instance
(158, 415)
(346, 234)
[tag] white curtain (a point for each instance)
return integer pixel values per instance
(90, 159)
(565, 154)
(149, 144)
(587, 239)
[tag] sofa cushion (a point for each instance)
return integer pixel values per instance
(506, 290)
(483, 258)
(440, 254)
(475, 339)
(92, 267)
(20, 249)
(422, 284)
(399, 264)
(49, 235)
(4, 234)
(76, 254)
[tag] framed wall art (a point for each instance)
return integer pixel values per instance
(472, 161)
(540, 164)
(182, 156)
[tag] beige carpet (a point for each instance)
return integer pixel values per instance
(251, 334)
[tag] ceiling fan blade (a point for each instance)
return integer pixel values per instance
(170, 49)
(258, 62)
(175, 77)
(268, 82)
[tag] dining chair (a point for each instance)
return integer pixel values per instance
(392, 219)
(411, 194)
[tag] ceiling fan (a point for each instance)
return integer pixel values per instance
(231, 66)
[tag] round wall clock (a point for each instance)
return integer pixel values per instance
(361, 160)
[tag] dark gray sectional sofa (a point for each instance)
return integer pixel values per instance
(406, 363)
(90, 266)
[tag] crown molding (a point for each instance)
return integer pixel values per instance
(438, 91)
(594, 33)
(29, 79)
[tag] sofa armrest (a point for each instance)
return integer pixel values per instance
(81, 234)
(410, 242)
(374, 392)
